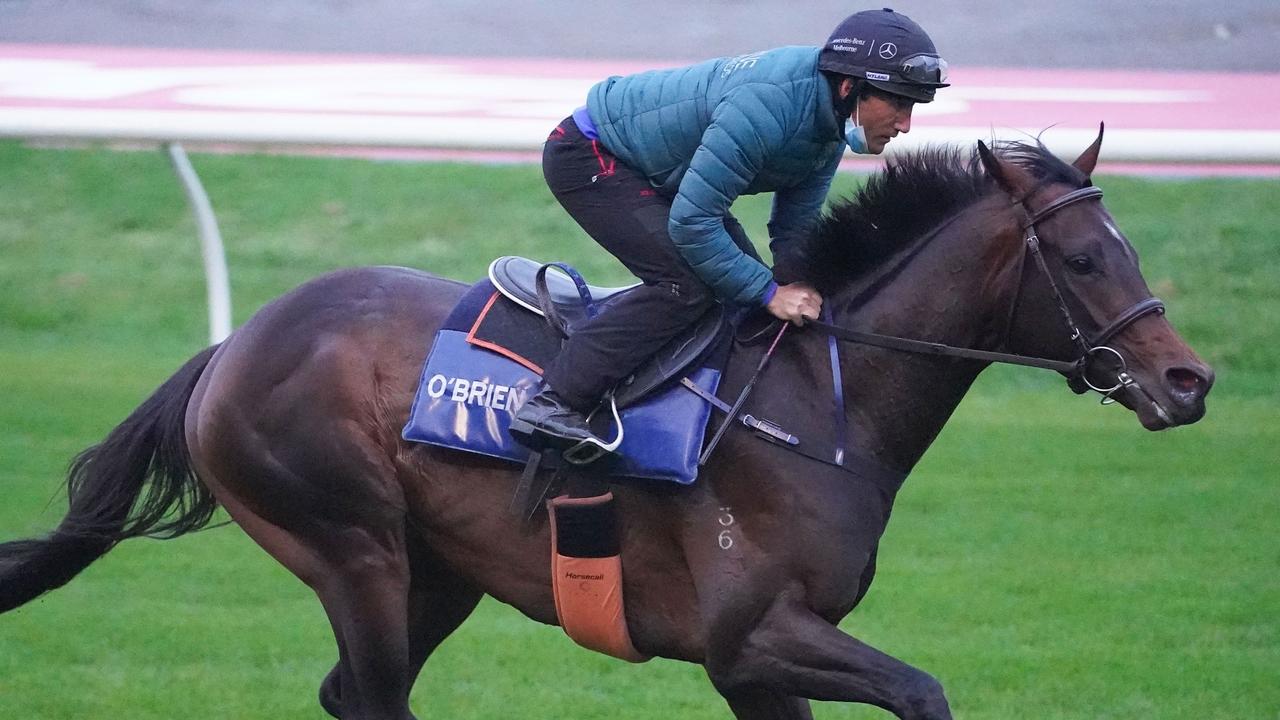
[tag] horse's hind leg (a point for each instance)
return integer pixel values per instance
(439, 601)
(361, 575)
(366, 596)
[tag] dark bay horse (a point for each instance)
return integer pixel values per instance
(293, 426)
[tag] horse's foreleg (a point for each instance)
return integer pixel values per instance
(331, 689)
(792, 652)
(765, 705)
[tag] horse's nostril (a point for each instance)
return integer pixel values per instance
(1186, 381)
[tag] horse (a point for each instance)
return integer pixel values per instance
(292, 425)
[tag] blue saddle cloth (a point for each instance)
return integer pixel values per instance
(473, 382)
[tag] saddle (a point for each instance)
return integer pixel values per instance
(565, 300)
(487, 360)
(488, 357)
(518, 279)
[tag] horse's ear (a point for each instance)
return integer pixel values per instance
(1088, 159)
(1013, 179)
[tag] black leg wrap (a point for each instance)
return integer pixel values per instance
(587, 530)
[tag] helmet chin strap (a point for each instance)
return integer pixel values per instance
(851, 100)
(843, 105)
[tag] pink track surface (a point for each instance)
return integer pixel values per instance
(533, 93)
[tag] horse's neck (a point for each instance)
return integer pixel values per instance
(950, 292)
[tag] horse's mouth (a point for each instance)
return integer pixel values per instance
(1182, 405)
(1157, 418)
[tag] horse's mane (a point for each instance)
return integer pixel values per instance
(912, 195)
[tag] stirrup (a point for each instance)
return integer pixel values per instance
(592, 449)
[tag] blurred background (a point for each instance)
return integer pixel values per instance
(1139, 34)
(1176, 82)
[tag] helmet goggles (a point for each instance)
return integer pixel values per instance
(924, 70)
(917, 77)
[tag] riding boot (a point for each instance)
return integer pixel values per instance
(546, 419)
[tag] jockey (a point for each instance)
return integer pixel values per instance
(650, 165)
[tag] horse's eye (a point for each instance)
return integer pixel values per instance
(1080, 264)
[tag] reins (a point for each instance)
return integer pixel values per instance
(893, 342)
(1073, 369)
(860, 466)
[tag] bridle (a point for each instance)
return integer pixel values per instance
(1088, 349)
(1076, 371)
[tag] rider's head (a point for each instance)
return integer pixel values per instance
(881, 63)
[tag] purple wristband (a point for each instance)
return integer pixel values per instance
(770, 292)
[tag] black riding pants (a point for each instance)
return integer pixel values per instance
(622, 211)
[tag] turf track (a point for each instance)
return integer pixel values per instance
(1048, 559)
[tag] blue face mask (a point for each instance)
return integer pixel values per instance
(855, 135)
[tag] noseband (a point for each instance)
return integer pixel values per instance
(1076, 371)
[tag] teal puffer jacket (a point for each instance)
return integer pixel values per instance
(707, 133)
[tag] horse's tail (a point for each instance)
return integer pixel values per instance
(137, 482)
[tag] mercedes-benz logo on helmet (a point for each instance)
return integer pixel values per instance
(888, 50)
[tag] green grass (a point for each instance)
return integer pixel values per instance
(1048, 559)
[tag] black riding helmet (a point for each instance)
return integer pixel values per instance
(888, 50)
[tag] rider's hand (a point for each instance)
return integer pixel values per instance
(795, 303)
